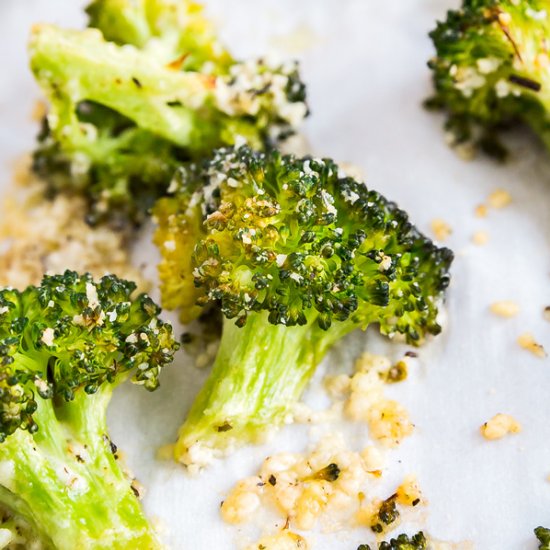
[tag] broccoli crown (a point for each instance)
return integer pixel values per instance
(402, 542)
(148, 87)
(543, 535)
(297, 238)
(490, 68)
(71, 334)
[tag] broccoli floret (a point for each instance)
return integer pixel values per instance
(491, 70)
(172, 30)
(402, 542)
(543, 535)
(146, 89)
(64, 346)
(295, 255)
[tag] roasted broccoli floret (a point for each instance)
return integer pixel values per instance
(295, 255)
(402, 542)
(491, 70)
(64, 346)
(543, 535)
(148, 87)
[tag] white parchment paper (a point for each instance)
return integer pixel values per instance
(365, 65)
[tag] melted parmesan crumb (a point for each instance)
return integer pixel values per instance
(527, 341)
(51, 236)
(505, 308)
(441, 229)
(364, 400)
(499, 198)
(480, 238)
(499, 426)
(285, 540)
(481, 211)
(331, 486)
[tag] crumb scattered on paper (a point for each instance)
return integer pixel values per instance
(505, 308)
(481, 211)
(499, 198)
(330, 487)
(49, 236)
(499, 426)
(480, 238)
(441, 229)
(527, 341)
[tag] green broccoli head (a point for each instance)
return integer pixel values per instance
(146, 89)
(64, 346)
(296, 238)
(543, 536)
(295, 255)
(402, 542)
(490, 70)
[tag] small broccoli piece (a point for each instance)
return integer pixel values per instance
(543, 535)
(402, 542)
(491, 70)
(64, 346)
(175, 31)
(295, 255)
(148, 87)
(387, 514)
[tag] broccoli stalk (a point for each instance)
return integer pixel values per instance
(64, 346)
(146, 89)
(275, 363)
(491, 70)
(295, 255)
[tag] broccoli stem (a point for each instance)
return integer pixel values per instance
(259, 373)
(73, 487)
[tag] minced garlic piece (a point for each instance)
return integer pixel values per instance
(285, 540)
(499, 426)
(505, 308)
(528, 342)
(441, 229)
(499, 198)
(546, 313)
(480, 238)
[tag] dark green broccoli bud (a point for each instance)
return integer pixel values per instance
(147, 88)
(543, 535)
(295, 255)
(64, 346)
(491, 70)
(402, 542)
(328, 473)
(386, 515)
